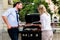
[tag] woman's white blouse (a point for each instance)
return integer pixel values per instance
(45, 20)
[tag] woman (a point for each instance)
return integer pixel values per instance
(45, 19)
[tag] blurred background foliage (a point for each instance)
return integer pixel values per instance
(30, 6)
(57, 2)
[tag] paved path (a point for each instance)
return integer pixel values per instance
(0, 36)
(5, 36)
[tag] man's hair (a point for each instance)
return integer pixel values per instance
(16, 3)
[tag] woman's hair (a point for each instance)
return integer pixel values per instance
(42, 7)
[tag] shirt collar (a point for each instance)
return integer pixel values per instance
(16, 10)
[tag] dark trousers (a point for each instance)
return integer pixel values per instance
(13, 33)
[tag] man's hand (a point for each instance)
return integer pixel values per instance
(8, 26)
(6, 21)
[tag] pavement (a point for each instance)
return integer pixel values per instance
(5, 36)
(0, 36)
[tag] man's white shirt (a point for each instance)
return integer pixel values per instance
(11, 16)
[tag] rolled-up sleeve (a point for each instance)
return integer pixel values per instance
(7, 13)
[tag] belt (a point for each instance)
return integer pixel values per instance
(15, 27)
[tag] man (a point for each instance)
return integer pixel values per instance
(10, 17)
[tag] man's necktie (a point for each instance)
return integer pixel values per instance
(17, 17)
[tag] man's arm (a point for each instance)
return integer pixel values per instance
(6, 21)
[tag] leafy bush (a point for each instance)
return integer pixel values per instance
(30, 6)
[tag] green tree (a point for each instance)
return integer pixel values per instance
(16, 1)
(30, 6)
(57, 2)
